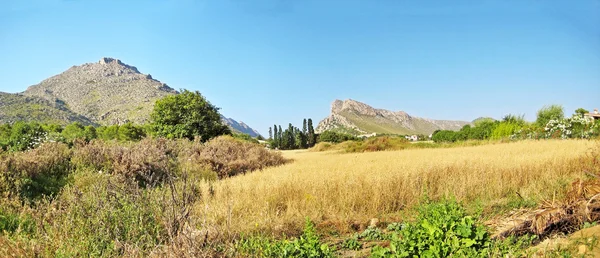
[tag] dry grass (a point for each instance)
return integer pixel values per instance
(343, 190)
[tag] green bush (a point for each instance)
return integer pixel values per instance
(100, 216)
(13, 223)
(35, 173)
(505, 130)
(308, 245)
(352, 243)
(442, 229)
(335, 137)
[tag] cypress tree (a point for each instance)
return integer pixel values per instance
(311, 134)
(270, 133)
(275, 138)
(280, 137)
(304, 127)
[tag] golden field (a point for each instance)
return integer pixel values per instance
(341, 192)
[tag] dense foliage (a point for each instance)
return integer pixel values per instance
(22, 136)
(293, 138)
(307, 245)
(550, 123)
(187, 115)
(335, 137)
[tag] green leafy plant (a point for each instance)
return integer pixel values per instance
(442, 229)
(352, 243)
(307, 245)
(372, 233)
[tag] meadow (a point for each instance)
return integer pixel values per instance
(342, 192)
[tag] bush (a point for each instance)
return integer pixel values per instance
(505, 130)
(100, 216)
(547, 113)
(377, 144)
(228, 156)
(308, 245)
(444, 136)
(35, 173)
(13, 223)
(442, 229)
(148, 162)
(335, 137)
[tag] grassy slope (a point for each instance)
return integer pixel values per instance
(371, 124)
(340, 190)
(15, 107)
(380, 125)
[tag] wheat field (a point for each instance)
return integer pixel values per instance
(342, 190)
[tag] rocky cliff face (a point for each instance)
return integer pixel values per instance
(359, 118)
(240, 127)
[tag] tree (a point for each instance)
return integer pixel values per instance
(581, 111)
(311, 134)
(304, 127)
(275, 143)
(514, 119)
(547, 113)
(271, 133)
(280, 143)
(130, 132)
(187, 115)
(74, 131)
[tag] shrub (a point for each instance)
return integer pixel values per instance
(444, 136)
(547, 113)
(23, 136)
(308, 245)
(322, 146)
(100, 216)
(228, 156)
(352, 243)
(505, 130)
(377, 144)
(442, 229)
(245, 137)
(147, 162)
(13, 223)
(35, 173)
(335, 137)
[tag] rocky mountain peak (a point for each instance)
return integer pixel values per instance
(357, 117)
(107, 92)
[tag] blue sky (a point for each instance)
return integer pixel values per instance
(266, 62)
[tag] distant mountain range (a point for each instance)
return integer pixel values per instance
(101, 93)
(351, 116)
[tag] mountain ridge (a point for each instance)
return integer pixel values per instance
(355, 117)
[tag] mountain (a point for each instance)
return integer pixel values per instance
(106, 92)
(354, 117)
(239, 127)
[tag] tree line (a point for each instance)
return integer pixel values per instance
(292, 137)
(550, 123)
